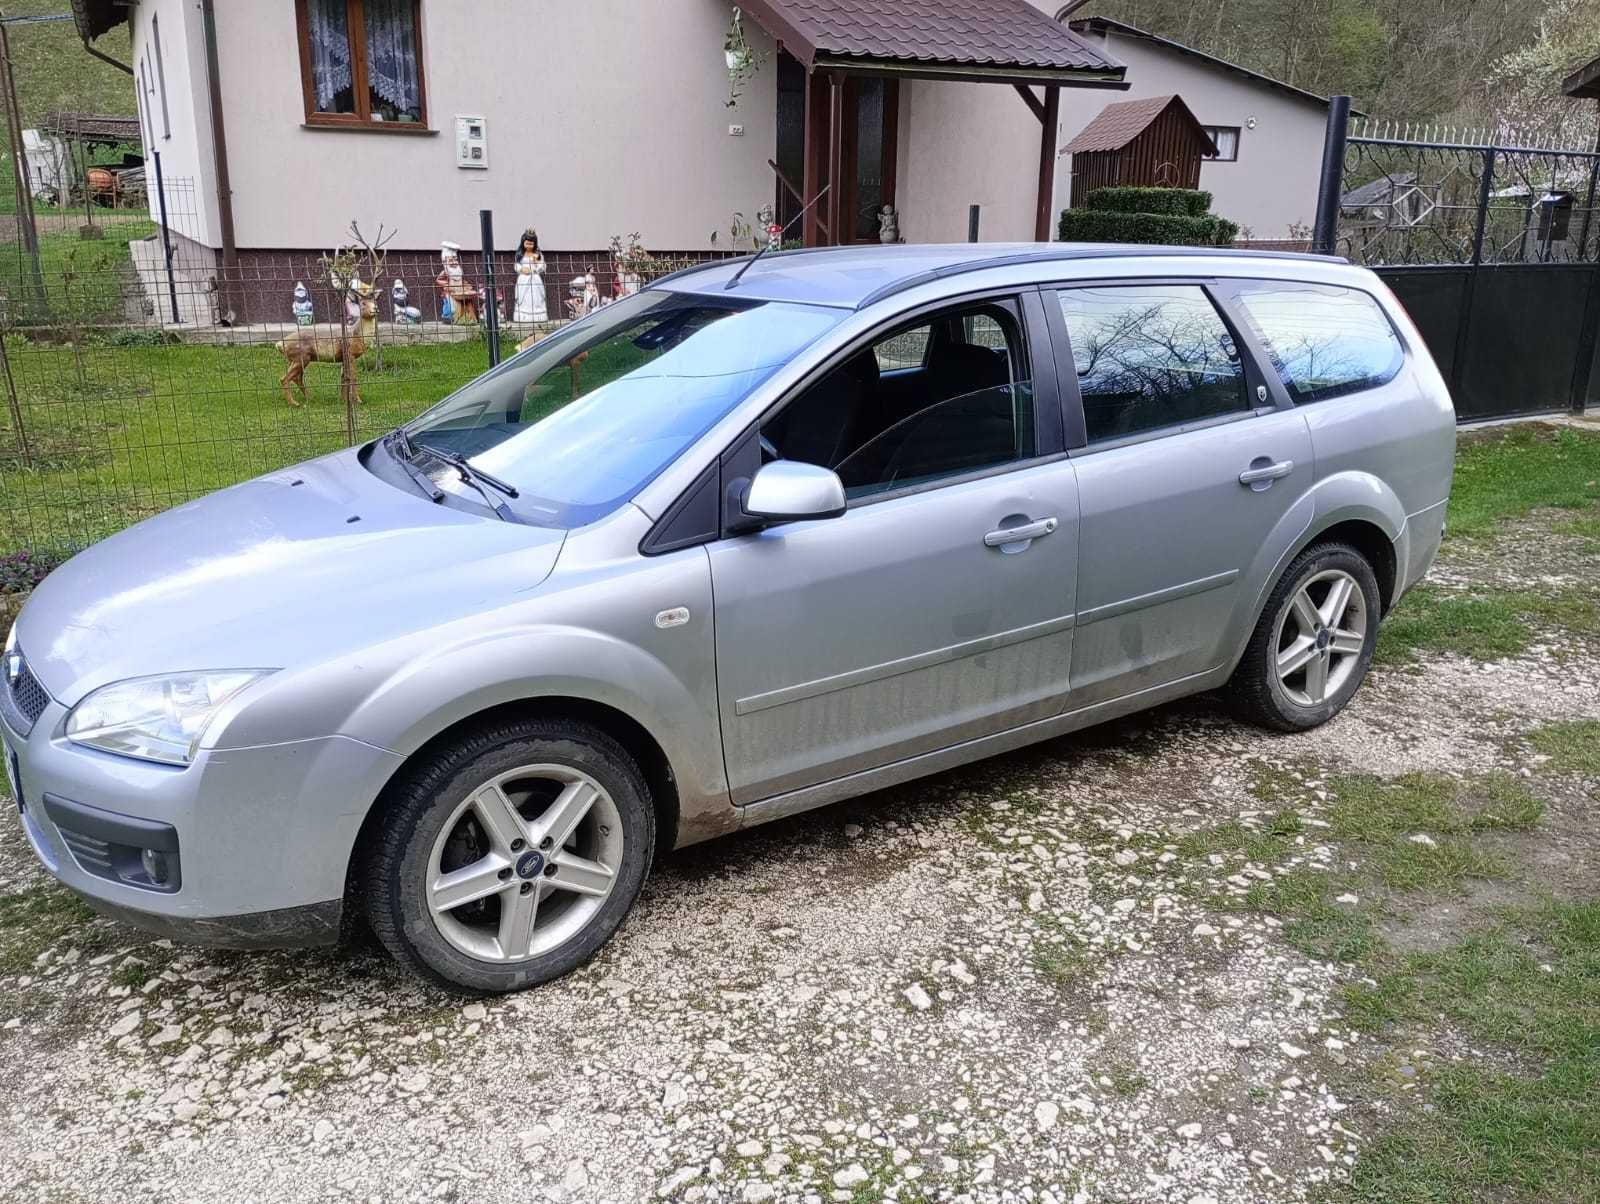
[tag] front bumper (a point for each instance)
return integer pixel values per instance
(262, 835)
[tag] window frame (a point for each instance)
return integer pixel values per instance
(361, 120)
(1264, 393)
(1280, 386)
(1238, 136)
(741, 458)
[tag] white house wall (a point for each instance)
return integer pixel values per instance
(1273, 184)
(603, 117)
(184, 141)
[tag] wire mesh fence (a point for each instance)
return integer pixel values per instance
(139, 372)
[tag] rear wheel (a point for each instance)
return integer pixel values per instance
(509, 858)
(1313, 645)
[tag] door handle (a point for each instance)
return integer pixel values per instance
(1007, 535)
(1263, 472)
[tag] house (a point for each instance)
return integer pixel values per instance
(1154, 141)
(1268, 134)
(588, 120)
(278, 123)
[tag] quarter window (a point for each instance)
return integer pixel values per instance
(361, 63)
(1323, 341)
(1150, 356)
(949, 396)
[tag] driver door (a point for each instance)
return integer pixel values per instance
(939, 607)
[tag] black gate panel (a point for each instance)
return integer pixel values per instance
(1524, 332)
(1433, 298)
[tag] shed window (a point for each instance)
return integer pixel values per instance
(361, 63)
(1227, 139)
(1324, 341)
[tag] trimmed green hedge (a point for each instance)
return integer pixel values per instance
(1106, 225)
(1179, 202)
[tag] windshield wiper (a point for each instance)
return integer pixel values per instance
(477, 478)
(406, 455)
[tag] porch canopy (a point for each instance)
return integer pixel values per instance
(975, 41)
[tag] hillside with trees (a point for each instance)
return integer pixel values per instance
(1469, 62)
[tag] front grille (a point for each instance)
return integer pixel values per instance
(24, 701)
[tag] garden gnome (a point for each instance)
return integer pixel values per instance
(774, 232)
(404, 313)
(302, 304)
(449, 278)
(888, 225)
(530, 299)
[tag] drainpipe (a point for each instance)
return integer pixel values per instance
(219, 147)
(1064, 13)
(106, 58)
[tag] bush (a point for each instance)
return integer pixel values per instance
(21, 571)
(1179, 202)
(1106, 225)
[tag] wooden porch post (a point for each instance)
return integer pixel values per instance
(1047, 162)
(836, 215)
(811, 173)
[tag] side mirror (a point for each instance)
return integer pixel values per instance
(789, 490)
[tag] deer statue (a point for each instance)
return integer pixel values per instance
(311, 346)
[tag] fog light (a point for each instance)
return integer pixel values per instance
(155, 866)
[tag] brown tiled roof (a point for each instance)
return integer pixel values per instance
(1118, 124)
(993, 34)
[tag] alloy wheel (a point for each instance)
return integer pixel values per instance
(524, 863)
(1321, 633)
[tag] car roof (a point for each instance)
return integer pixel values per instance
(855, 277)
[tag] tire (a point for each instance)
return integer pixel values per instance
(1298, 700)
(453, 871)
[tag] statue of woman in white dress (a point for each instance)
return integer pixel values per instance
(531, 305)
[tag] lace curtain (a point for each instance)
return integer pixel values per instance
(330, 55)
(392, 54)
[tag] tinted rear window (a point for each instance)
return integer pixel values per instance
(1324, 341)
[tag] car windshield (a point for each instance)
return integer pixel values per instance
(582, 420)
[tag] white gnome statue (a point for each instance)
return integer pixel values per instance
(405, 314)
(449, 279)
(302, 304)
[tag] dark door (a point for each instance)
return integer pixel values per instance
(871, 119)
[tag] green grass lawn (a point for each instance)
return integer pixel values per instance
(1507, 473)
(81, 276)
(150, 426)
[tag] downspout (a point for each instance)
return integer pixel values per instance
(219, 149)
(106, 58)
(1066, 10)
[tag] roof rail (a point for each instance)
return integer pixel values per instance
(1068, 252)
(707, 264)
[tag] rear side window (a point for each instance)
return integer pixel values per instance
(1150, 356)
(1323, 340)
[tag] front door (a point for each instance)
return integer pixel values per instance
(939, 607)
(868, 143)
(1188, 472)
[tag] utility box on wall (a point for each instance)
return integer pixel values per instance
(472, 143)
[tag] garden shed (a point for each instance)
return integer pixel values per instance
(1152, 142)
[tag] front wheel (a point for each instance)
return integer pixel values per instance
(509, 858)
(1314, 642)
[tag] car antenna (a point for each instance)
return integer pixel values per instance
(751, 262)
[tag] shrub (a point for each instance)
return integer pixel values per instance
(21, 571)
(1179, 202)
(1106, 225)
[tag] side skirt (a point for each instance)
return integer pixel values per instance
(780, 806)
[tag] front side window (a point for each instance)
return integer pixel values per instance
(1323, 341)
(949, 396)
(1150, 356)
(584, 419)
(361, 62)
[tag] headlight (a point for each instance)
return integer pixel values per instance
(156, 718)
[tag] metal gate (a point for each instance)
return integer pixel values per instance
(1493, 250)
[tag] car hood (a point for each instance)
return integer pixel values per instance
(280, 571)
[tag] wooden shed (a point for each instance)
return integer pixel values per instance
(1152, 142)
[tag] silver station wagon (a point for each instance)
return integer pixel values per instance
(767, 535)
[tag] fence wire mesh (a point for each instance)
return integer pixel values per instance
(1415, 203)
(115, 410)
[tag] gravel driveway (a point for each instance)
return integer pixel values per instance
(1016, 981)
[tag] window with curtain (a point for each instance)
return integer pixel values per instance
(361, 63)
(1227, 139)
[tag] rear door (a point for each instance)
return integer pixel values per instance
(1190, 466)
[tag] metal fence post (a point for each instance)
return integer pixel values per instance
(1464, 319)
(166, 237)
(491, 318)
(972, 223)
(1325, 231)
